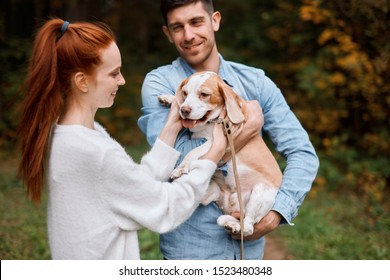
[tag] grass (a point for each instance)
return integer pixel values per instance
(334, 226)
(22, 224)
(330, 225)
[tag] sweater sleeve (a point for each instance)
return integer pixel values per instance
(136, 199)
(161, 160)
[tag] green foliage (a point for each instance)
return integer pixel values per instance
(23, 233)
(330, 58)
(149, 245)
(346, 171)
(347, 66)
(13, 58)
(334, 226)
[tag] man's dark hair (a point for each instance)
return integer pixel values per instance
(167, 5)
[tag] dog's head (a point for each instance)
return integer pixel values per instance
(202, 97)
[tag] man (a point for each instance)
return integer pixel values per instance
(191, 25)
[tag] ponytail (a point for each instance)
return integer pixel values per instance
(59, 51)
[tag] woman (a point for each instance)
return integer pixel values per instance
(98, 197)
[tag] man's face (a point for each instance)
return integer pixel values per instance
(192, 29)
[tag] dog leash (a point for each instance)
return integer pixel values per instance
(228, 133)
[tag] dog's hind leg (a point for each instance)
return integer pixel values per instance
(260, 203)
(230, 223)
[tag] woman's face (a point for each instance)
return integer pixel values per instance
(107, 78)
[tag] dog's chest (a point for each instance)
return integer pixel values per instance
(206, 131)
(247, 176)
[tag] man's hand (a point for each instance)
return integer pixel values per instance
(269, 223)
(252, 126)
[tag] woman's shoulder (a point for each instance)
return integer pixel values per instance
(82, 139)
(81, 148)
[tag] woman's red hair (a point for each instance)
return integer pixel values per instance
(55, 58)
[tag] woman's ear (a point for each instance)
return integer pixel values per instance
(80, 81)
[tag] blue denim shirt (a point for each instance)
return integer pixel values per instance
(200, 237)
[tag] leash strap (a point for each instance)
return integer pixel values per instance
(226, 126)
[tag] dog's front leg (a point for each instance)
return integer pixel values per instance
(166, 99)
(213, 194)
(195, 154)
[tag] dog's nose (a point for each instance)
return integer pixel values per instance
(185, 111)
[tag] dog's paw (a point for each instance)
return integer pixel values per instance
(166, 99)
(231, 224)
(178, 172)
(248, 228)
(233, 227)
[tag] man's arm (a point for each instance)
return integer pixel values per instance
(268, 224)
(249, 129)
(293, 143)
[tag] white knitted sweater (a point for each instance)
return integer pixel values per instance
(98, 197)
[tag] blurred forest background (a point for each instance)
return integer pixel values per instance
(331, 60)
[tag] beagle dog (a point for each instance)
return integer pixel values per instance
(202, 97)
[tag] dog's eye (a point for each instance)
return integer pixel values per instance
(184, 93)
(204, 95)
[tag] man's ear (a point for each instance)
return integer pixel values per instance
(216, 20)
(165, 29)
(80, 81)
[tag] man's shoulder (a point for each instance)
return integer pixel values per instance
(161, 70)
(166, 76)
(244, 69)
(172, 68)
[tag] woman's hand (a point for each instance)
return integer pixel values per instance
(218, 148)
(172, 126)
(174, 120)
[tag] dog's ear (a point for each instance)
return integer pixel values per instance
(232, 103)
(179, 92)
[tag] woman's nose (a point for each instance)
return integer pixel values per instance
(121, 80)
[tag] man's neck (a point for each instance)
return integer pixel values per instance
(211, 64)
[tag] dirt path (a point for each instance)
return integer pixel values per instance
(274, 249)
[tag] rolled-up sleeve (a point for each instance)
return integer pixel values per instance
(293, 143)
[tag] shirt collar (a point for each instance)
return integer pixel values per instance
(222, 72)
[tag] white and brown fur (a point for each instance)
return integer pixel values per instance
(202, 97)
